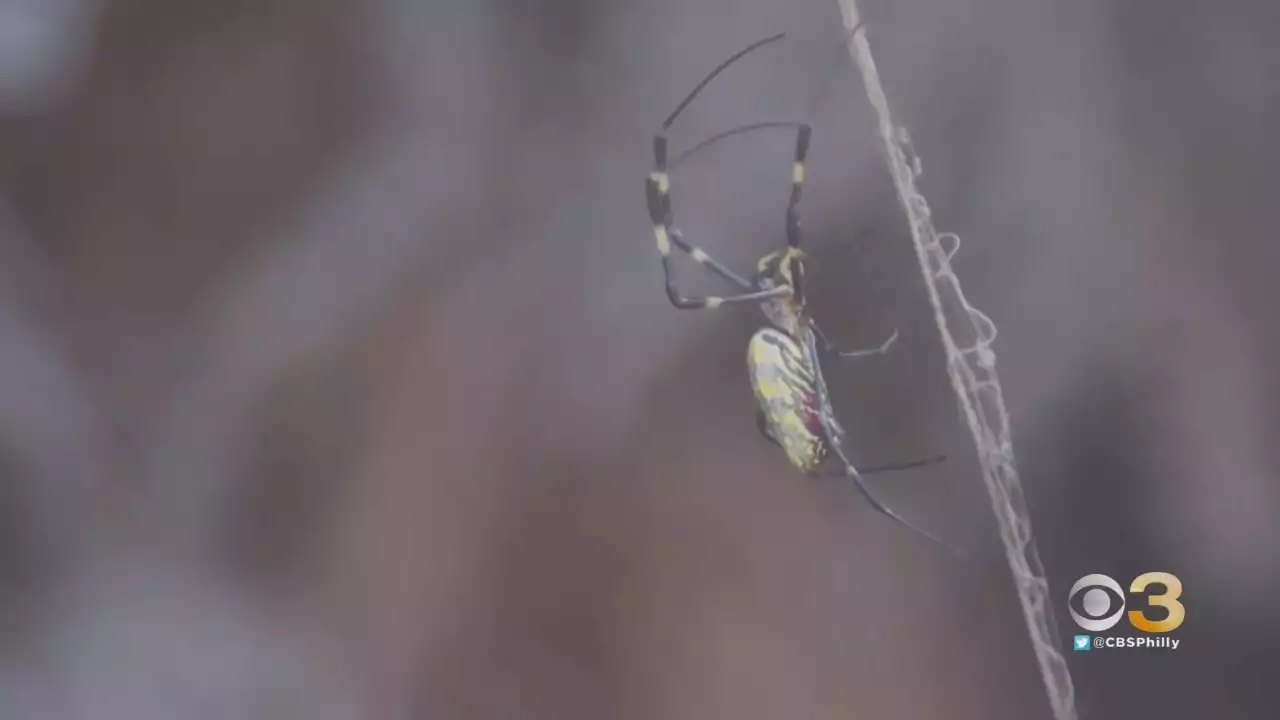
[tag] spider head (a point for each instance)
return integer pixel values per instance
(783, 268)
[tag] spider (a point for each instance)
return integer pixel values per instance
(794, 410)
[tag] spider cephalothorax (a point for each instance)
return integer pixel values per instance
(783, 268)
(782, 360)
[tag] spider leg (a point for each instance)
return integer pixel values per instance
(882, 349)
(797, 184)
(888, 467)
(657, 192)
(834, 436)
(794, 238)
(700, 256)
(762, 425)
(874, 502)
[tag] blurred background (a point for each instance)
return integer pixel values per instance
(337, 380)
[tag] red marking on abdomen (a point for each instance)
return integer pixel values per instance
(812, 415)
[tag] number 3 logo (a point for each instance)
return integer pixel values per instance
(1167, 600)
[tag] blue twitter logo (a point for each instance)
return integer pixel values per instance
(1083, 643)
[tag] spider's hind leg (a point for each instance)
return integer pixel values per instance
(850, 472)
(885, 467)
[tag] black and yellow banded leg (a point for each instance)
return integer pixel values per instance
(797, 184)
(657, 191)
(702, 258)
(793, 205)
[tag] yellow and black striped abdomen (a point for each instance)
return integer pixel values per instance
(787, 391)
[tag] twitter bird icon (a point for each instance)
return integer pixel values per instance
(1083, 643)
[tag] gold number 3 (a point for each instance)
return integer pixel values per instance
(1167, 600)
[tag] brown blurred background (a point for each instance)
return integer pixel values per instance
(337, 381)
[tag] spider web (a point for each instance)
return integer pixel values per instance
(972, 367)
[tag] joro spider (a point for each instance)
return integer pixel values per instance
(795, 410)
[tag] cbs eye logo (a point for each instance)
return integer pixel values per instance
(1096, 602)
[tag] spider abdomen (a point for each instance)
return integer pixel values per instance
(786, 389)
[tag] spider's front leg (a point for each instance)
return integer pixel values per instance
(658, 195)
